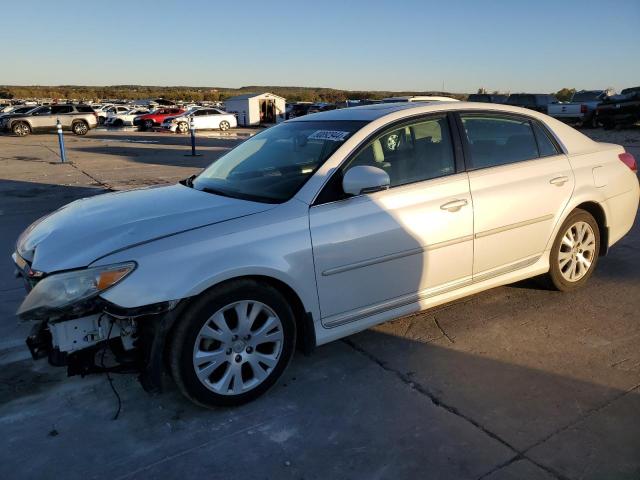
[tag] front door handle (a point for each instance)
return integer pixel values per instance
(559, 181)
(453, 205)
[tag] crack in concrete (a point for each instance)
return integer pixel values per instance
(582, 417)
(435, 320)
(453, 410)
(96, 180)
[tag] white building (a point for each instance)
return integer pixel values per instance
(256, 108)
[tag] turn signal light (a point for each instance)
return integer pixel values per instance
(629, 160)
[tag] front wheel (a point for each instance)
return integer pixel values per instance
(148, 124)
(21, 129)
(232, 344)
(183, 127)
(224, 125)
(574, 253)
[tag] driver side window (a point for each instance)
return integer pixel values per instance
(411, 153)
(414, 152)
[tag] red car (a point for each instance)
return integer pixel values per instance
(150, 120)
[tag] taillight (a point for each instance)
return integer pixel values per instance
(629, 160)
(583, 109)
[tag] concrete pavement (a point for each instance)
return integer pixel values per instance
(518, 382)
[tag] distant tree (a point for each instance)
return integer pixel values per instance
(565, 94)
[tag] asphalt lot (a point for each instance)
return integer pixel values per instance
(514, 383)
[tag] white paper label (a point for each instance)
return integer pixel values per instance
(330, 135)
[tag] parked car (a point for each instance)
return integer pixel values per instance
(203, 119)
(155, 118)
(15, 112)
(581, 110)
(321, 107)
(535, 101)
(315, 229)
(487, 98)
(124, 118)
(77, 118)
(299, 109)
(620, 110)
(101, 112)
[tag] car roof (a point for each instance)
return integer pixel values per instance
(367, 112)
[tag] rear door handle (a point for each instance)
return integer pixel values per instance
(559, 181)
(453, 205)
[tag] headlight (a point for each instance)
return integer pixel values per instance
(64, 289)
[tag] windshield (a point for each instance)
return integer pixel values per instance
(273, 165)
(585, 96)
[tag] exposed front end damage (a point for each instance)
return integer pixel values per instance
(93, 335)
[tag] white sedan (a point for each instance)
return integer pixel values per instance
(202, 119)
(121, 119)
(315, 229)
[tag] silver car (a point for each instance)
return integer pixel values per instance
(77, 118)
(315, 229)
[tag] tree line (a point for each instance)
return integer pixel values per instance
(196, 94)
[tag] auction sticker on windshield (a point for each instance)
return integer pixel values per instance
(330, 135)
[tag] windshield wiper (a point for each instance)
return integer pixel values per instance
(189, 181)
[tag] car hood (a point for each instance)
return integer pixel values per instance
(83, 231)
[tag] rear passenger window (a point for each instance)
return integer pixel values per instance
(494, 140)
(412, 153)
(84, 109)
(546, 147)
(56, 109)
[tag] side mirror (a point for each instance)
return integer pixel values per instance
(365, 179)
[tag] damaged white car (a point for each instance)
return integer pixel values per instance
(313, 230)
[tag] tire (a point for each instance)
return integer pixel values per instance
(21, 129)
(148, 124)
(575, 251)
(211, 336)
(183, 127)
(101, 120)
(224, 125)
(79, 127)
(118, 123)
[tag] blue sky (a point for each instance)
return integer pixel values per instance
(509, 45)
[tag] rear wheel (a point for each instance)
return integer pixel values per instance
(574, 253)
(224, 125)
(232, 344)
(21, 129)
(79, 128)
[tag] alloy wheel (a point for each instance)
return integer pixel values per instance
(224, 125)
(80, 128)
(21, 130)
(577, 251)
(238, 347)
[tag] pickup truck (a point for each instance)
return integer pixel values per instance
(535, 101)
(580, 111)
(77, 118)
(620, 110)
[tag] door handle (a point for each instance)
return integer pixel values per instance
(453, 205)
(559, 181)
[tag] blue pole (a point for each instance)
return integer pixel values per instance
(193, 137)
(63, 157)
